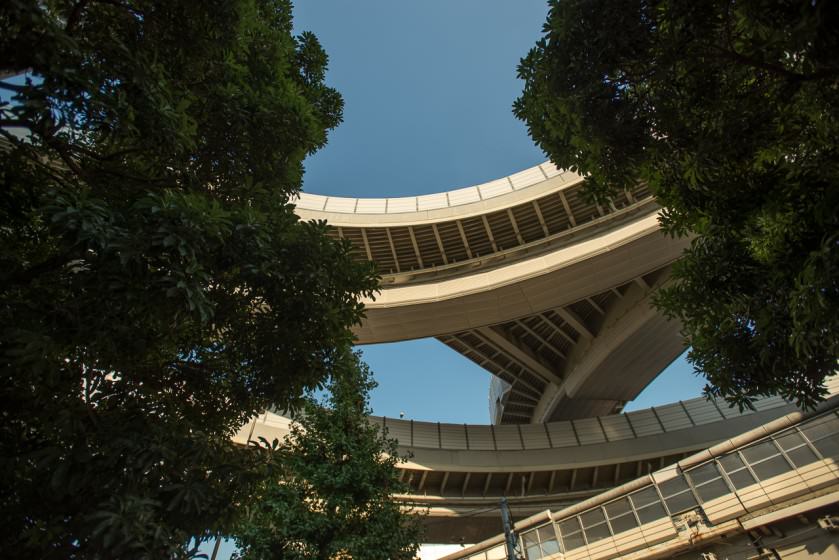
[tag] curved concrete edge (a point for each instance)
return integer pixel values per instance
(522, 288)
(674, 432)
(553, 437)
(583, 456)
(520, 270)
(460, 203)
(552, 242)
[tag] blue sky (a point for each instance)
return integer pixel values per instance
(428, 88)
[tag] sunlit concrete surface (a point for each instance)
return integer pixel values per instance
(524, 275)
(459, 472)
(553, 294)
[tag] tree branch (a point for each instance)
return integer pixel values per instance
(62, 151)
(12, 87)
(16, 123)
(744, 60)
(55, 262)
(75, 16)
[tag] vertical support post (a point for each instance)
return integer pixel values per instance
(509, 535)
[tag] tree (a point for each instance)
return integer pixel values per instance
(157, 288)
(729, 110)
(336, 474)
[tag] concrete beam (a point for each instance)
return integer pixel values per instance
(514, 348)
(575, 321)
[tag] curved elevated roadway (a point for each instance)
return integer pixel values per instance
(552, 294)
(524, 276)
(460, 471)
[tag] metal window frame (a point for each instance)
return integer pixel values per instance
(812, 442)
(779, 453)
(721, 475)
(631, 512)
(604, 522)
(582, 531)
(745, 467)
(556, 537)
(660, 502)
(535, 530)
(685, 491)
(807, 443)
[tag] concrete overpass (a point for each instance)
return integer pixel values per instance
(524, 276)
(552, 294)
(459, 471)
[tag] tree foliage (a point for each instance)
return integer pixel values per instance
(157, 288)
(729, 110)
(336, 476)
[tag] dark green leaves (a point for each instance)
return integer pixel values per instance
(156, 289)
(728, 110)
(331, 496)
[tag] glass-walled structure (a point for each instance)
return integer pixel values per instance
(764, 472)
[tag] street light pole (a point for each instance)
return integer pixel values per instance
(509, 535)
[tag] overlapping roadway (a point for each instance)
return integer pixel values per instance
(460, 471)
(526, 277)
(551, 293)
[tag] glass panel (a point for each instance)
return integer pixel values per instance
(829, 446)
(802, 456)
(741, 479)
(570, 525)
(704, 473)
(497, 553)
(681, 502)
(533, 552)
(651, 513)
(823, 427)
(759, 451)
(711, 490)
(673, 486)
(592, 517)
(618, 507)
(677, 494)
(623, 523)
(597, 533)
(550, 547)
(731, 463)
(572, 541)
(643, 497)
(530, 538)
(546, 533)
(771, 467)
(789, 440)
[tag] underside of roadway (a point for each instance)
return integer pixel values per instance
(524, 276)
(552, 294)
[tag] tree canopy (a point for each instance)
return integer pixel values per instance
(156, 288)
(729, 110)
(331, 495)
